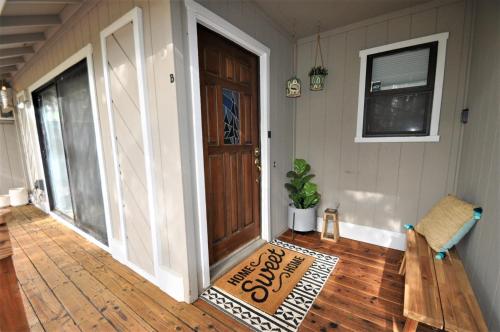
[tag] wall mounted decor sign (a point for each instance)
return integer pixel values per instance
(293, 86)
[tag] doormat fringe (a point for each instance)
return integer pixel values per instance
(293, 310)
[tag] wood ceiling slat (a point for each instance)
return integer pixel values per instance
(29, 20)
(22, 38)
(11, 61)
(4, 70)
(15, 51)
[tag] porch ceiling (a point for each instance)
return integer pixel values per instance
(25, 25)
(306, 14)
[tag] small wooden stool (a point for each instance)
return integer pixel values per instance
(330, 214)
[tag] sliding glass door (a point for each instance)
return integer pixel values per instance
(70, 151)
(49, 124)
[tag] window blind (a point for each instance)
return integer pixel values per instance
(401, 70)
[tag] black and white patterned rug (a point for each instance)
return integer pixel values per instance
(295, 307)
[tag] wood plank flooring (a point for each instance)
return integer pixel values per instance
(69, 284)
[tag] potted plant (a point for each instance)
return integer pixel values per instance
(317, 76)
(304, 196)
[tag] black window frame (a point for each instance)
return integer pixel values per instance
(428, 88)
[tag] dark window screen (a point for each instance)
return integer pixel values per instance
(78, 134)
(399, 92)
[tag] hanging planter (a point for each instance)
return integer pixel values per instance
(317, 77)
(318, 73)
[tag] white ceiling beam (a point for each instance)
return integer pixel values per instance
(7, 69)
(11, 61)
(22, 38)
(16, 51)
(36, 2)
(29, 20)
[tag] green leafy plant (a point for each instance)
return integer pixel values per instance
(302, 191)
(318, 70)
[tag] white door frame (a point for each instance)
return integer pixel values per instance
(119, 250)
(198, 14)
(84, 53)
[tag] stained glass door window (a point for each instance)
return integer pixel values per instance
(231, 104)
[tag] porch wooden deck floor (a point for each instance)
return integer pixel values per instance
(70, 284)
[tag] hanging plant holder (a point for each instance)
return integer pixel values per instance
(317, 77)
(317, 74)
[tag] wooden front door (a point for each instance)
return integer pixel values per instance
(230, 119)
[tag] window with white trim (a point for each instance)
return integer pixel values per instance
(400, 91)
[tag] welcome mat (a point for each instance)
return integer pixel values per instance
(265, 278)
(273, 289)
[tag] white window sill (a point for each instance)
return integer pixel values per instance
(434, 138)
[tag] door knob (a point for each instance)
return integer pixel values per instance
(257, 164)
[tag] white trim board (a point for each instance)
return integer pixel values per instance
(195, 14)
(84, 53)
(433, 136)
(120, 250)
(377, 236)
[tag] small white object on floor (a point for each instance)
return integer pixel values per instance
(4, 201)
(18, 196)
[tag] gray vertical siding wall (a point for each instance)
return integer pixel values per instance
(383, 185)
(11, 167)
(251, 19)
(479, 176)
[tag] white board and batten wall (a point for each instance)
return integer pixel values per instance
(83, 29)
(380, 185)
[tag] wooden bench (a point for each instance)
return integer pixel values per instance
(437, 292)
(12, 314)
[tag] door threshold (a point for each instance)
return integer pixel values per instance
(225, 264)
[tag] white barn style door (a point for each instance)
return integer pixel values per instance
(122, 46)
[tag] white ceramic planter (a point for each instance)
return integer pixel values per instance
(305, 219)
(4, 201)
(18, 196)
